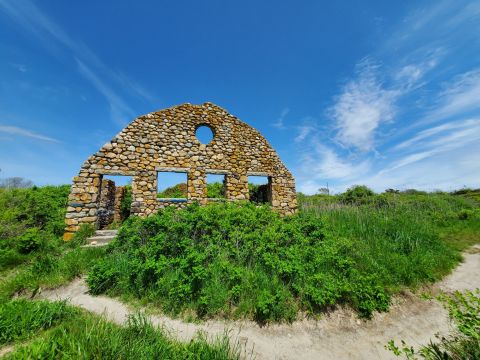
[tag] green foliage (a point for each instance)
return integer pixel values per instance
(58, 331)
(49, 269)
(31, 224)
(29, 241)
(258, 193)
(464, 343)
(473, 194)
(239, 260)
(126, 203)
(31, 221)
(20, 319)
(81, 236)
(245, 261)
(215, 190)
(174, 192)
(357, 194)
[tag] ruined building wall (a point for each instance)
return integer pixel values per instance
(120, 193)
(106, 204)
(165, 141)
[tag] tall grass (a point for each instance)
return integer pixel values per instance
(58, 331)
(21, 319)
(48, 270)
(242, 260)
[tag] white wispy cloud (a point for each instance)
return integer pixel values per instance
(53, 37)
(459, 97)
(279, 124)
(303, 132)
(323, 164)
(119, 110)
(20, 67)
(362, 106)
(394, 93)
(430, 132)
(17, 131)
(428, 144)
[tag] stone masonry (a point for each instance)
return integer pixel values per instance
(106, 206)
(119, 195)
(165, 140)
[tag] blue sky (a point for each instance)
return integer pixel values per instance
(380, 93)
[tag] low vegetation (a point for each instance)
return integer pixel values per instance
(215, 190)
(224, 260)
(32, 253)
(55, 330)
(234, 260)
(463, 343)
(31, 222)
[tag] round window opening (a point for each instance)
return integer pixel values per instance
(204, 134)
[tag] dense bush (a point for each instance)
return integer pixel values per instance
(216, 190)
(231, 260)
(31, 220)
(258, 193)
(247, 261)
(357, 194)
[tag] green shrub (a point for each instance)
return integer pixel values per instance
(233, 259)
(176, 191)
(31, 221)
(31, 240)
(357, 194)
(216, 190)
(81, 236)
(49, 268)
(463, 343)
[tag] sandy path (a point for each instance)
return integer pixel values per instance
(338, 335)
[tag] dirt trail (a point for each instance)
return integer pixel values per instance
(338, 335)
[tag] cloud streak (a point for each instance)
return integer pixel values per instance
(361, 107)
(119, 110)
(412, 81)
(54, 38)
(17, 131)
(279, 124)
(459, 97)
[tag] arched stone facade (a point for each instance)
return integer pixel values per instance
(165, 141)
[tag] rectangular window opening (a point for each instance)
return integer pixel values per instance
(216, 187)
(114, 201)
(260, 189)
(172, 186)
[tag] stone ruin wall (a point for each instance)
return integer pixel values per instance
(106, 204)
(120, 192)
(165, 141)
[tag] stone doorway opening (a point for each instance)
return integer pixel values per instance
(260, 189)
(114, 201)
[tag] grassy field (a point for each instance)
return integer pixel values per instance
(55, 330)
(32, 257)
(226, 260)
